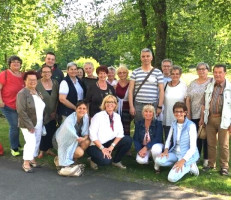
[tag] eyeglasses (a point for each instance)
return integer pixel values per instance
(201, 69)
(16, 61)
(46, 72)
(180, 112)
(110, 102)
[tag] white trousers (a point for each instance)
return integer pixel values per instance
(155, 151)
(32, 141)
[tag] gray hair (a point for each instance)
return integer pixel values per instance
(146, 50)
(175, 67)
(88, 63)
(111, 68)
(167, 60)
(70, 64)
(203, 64)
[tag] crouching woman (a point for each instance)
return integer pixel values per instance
(72, 136)
(183, 154)
(148, 137)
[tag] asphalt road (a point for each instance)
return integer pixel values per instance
(46, 184)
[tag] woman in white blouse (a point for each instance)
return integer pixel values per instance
(107, 135)
(175, 90)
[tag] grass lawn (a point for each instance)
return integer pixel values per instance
(213, 182)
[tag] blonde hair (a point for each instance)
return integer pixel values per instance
(149, 108)
(122, 68)
(103, 107)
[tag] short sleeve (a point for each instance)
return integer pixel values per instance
(133, 76)
(3, 77)
(63, 89)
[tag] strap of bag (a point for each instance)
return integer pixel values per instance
(143, 83)
(165, 86)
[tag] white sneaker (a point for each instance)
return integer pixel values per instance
(206, 162)
(194, 169)
(92, 164)
(119, 165)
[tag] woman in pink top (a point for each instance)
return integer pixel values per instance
(11, 82)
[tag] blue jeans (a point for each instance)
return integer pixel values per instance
(12, 118)
(121, 149)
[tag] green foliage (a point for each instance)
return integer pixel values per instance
(80, 62)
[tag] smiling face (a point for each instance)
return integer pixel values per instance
(50, 60)
(111, 75)
(81, 110)
(72, 71)
(219, 74)
(122, 74)
(110, 105)
(88, 69)
(80, 73)
(148, 114)
(179, 114)
(166, 67)
(31, 82)
(202, 71)
(175, 75)
(46, 73)
(146, 58)
(102, 76)
(15, 65)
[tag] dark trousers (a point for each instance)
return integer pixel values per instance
(120, 150)
(166, 131)
(201, 143)
(46, 141)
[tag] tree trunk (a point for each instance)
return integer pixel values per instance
(159, 7)
(144, 22)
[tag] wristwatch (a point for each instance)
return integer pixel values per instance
(113, 144)
(160, 107)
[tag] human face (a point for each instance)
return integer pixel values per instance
(81, 110)
(175, 75)
(110, 105)
(46, 73)
(111, 75)
(146, 58)
(31, 82)
(122, 74)
(88, 70)
(219, 74)
(148, 115)
(50, 60)
(102, 76)
(179, 114)
(80, 73)
(166, 67)
(202, 71)
(72, 71)
(15, 65)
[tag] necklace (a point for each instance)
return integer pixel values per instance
(174, 85)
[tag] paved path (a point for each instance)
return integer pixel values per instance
(45, 184)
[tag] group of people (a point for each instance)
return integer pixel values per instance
(94, 114)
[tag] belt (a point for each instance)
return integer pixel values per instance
(215, 115)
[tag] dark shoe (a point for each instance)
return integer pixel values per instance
(27, 170)
(34, 165)
(208, 168)
(224, 172)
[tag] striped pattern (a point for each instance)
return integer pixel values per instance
(216, 103)
(149, 92)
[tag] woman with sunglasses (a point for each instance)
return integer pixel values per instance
(180, 147)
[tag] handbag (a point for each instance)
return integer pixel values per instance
(202, 132)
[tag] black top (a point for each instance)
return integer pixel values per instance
(95, 97)
(89, 81)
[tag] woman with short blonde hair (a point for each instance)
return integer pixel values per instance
(107, 135)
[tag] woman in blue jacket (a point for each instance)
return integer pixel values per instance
(183, 153)
(148, 137)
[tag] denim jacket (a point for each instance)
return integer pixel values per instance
(226, 110)
(155, 131)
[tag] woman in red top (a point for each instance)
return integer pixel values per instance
(122, 94)
(11, 82)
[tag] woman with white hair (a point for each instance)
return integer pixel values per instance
(71, 91)
(107, 135)
(148, 137)
(111, 76)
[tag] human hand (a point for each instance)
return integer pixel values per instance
(106, 153)
(110, 149)
(179, 165)
(201, 122)
(80, 139)
(132, 110)
(142, 153)
(158, 111)
(1, 104)
(32, 130)
(165, 153)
